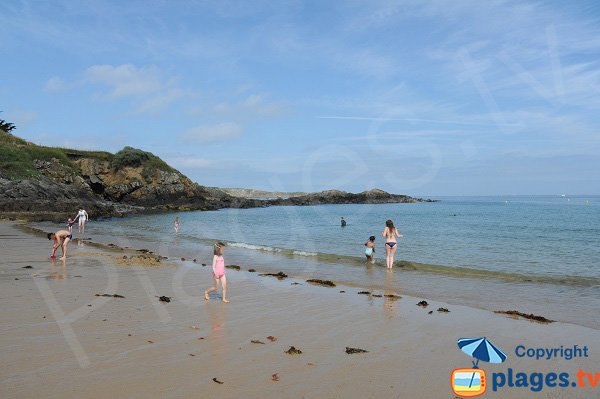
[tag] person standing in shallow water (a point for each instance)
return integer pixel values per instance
(176, 224)
(390, 233)
(343, 222)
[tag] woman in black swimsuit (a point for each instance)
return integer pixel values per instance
(390, 233)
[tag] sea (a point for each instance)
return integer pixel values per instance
(534, 254)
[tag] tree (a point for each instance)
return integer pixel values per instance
(6, 126)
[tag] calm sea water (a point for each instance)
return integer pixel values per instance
(492, 252)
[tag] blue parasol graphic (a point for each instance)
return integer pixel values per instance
(481, 349)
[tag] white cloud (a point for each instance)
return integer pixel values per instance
(210, 134)
(160, 101)
(55, 85)
(126, 79)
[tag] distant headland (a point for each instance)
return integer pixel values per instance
(45, 183)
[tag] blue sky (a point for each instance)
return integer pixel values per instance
(423, 98)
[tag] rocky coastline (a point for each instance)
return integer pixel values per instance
(46, 183)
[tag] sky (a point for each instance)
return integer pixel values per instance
(412, 97)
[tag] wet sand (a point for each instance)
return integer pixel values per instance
(57, 346)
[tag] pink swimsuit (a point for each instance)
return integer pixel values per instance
(219, 269)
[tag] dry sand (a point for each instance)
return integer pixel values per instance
(54, 345)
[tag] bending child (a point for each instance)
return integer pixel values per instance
(61, 239)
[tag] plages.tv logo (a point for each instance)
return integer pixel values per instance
(470, 382)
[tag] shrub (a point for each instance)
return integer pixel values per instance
(129, 156)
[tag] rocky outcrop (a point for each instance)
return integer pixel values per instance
(374, 196)
(57, 187)
(51, 183)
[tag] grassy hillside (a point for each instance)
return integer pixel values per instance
(17, 156)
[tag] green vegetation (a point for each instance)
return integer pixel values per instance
(17, 156)
(134, 157)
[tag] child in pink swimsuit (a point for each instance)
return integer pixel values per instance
(218, 273)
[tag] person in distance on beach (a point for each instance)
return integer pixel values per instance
(218, 272)
(343, 222)
(61, 239)
(82, 217)
(176, 224)
(70, 224)
(370, 251)
(390, 233)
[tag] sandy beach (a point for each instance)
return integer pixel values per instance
(60, 340)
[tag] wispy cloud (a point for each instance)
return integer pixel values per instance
(211, 134)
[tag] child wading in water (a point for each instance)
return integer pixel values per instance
(370, 251)
(218, 273)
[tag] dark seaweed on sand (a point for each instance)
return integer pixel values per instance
(27, 267)
(252, 270)
(255, 341)
(393, 297)
(326, 283)
(530, 316)
(364, 293)
(234, 267)
(423, 304)
(280, 275)
(164, 299)
(217, 381)
(443, 310)
(355, 350)
(111, 295)
(377, 295)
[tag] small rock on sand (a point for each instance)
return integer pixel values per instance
(275, 377)
(293, 351)
(272, 338)
(252, 270)
(27, 267)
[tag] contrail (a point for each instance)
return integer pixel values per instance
(416, 120)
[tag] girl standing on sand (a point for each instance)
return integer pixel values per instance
(218, 273)
(390, 233)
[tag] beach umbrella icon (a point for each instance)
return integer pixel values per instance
(481, 349)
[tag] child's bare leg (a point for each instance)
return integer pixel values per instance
(211, 289)
(224, 286)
